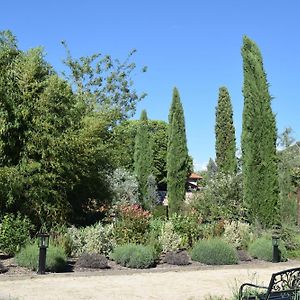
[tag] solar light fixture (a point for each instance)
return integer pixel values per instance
(43, 245)
(275, 243)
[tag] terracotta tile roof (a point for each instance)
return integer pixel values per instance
(195, 176)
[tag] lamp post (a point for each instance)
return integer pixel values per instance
(43, 245)
(275, 243)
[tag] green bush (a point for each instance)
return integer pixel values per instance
(134, 256)
(214, 252)
(155, 227)
(14, 233)
(188, 227)
(91, 239)
(92, 260)
(131, 225)
(262, 248)
(291, 237)
(237, 234)
(168, 238)
(56, 258)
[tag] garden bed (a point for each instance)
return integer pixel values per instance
(113, 268)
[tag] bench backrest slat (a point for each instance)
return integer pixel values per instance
(284, 285)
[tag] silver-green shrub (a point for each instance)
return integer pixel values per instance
(214, 252)
(124, 187)
(28, 257)
(168, 238)
(91, 239)
(238, 234)
(134, 256)
(262, 248)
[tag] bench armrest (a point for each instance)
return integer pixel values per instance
(251, 285)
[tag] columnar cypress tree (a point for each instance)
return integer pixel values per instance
(225, 134)
(177, 155)
(260, 178)
(143, 160)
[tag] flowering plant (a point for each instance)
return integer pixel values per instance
(131, 224)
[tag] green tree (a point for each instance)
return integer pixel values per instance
(55, 134)
(177, 155)
(260, 174)
(123, 141)
(143, 159)
(212, 169)
(225, 134)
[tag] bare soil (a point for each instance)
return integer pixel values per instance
(194, 281)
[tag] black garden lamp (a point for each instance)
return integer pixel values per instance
(275, 243)
(43, 245)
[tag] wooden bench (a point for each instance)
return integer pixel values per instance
(284, 285)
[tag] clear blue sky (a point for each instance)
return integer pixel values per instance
(194, 45)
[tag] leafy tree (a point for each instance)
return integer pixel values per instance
(225, 134)
(177, 155)
(54, 134)
(288, 159)
(123, 141)
(260, 174)
(143, 159)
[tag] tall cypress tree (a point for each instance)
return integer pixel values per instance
(225, 134)
(260, 177)
(143, 159)
(177, 155)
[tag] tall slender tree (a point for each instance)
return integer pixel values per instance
(260, 177)
(177, 155)
(225, 134)
(143, 159)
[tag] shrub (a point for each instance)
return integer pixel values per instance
(91, 239)
(125, 188)
(131, 225)
(214, 252)
(237, 234)
(178, 258)
(134, 256)
(56, 259)
(262, 248)
(291, 237)
(221, 198)
(188, 227)
(155, 227)
(92, 260)
(169, 239)
(14, 233)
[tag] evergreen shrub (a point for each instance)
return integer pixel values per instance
(262, 248)
(168, 238)
(91, 239)
(14, 233)
(92, 260)
(134, 256)
(28, 256)
(214, 252)
(188, 227)
(238, 234)
(131, 225)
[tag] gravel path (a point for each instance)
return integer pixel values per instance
(174, 284)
